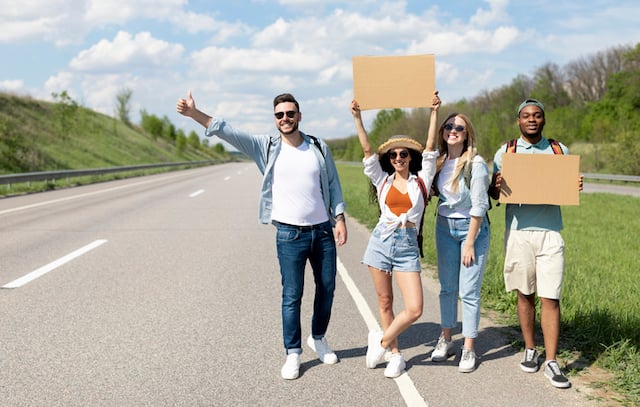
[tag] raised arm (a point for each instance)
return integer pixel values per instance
(432, 135)
(187, 107)
(362, 133)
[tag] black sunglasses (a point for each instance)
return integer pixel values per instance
(290, 114)
(403, 154)
(449, 127)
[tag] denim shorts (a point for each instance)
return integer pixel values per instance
(399, 252)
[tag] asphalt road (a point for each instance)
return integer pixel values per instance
(165, 291)
(612, 189)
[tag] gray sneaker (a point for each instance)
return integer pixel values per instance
(554, 374)
(442, 351)
(529, 362)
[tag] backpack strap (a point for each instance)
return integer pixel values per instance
(315, 140)
(513, 143)
(511, 146)
(556, 147)
(425, 197)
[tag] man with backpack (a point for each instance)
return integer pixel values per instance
(534, 248)
(301, 195)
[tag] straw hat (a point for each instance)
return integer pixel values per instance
(399, 142)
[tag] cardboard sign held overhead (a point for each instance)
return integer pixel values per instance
(389, 82)
(540, 179)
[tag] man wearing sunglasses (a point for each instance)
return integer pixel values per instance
(301, 195)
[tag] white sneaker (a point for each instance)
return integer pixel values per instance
(442, 351)
(467, 361)
(291, 368)
(321, 347)
(396, 366)
(375, 351)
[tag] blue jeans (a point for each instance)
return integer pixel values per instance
(456, 279)
(295, 245)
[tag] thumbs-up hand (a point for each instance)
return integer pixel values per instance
(186, 106)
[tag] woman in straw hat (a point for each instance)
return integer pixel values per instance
(396, 172)
(462, 231)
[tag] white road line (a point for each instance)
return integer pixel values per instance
(53, 265)
(70, 198)
(406, 386)
(198, 192)
(227, 178)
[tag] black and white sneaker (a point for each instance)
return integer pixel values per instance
(554, 374)
(529, 362)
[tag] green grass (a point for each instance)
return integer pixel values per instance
(40, 136)
(600, 305)
(36, 136)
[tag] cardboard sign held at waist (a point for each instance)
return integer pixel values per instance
(386, 82)
(540, 179)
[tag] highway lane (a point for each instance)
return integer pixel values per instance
(180, 305)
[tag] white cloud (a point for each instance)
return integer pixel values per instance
(60, 22)
(127, 51)
(497, 13)
(119, 11)
(12, 85)
(100, 90)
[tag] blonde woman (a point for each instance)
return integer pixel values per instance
(462, 232)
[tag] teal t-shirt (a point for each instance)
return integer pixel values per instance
(525, 216)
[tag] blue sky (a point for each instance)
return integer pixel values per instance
(237, 55)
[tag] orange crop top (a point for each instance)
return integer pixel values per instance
(398, 202)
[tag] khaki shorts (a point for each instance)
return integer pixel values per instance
(534, 262)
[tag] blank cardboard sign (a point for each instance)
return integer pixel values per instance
(540, 179)
(387, 82)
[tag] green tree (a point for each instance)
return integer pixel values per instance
(194, 140)
(181, 143)
(151, 124)
(123, 99)
(219, 148)
(548, 86)
(169, 130)
(65, 109)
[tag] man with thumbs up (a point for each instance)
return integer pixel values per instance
(302, 197)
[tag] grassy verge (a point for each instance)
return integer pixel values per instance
(600, 307)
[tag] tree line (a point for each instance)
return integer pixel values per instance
(592, 105)
(161, 127)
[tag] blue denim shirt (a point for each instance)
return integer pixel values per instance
(264, 150)
(475, 196)
(524, 216)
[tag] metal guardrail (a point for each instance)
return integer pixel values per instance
(613, 177)
(9, 179)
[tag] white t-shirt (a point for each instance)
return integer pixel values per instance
(297, 194)
(445, 187)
